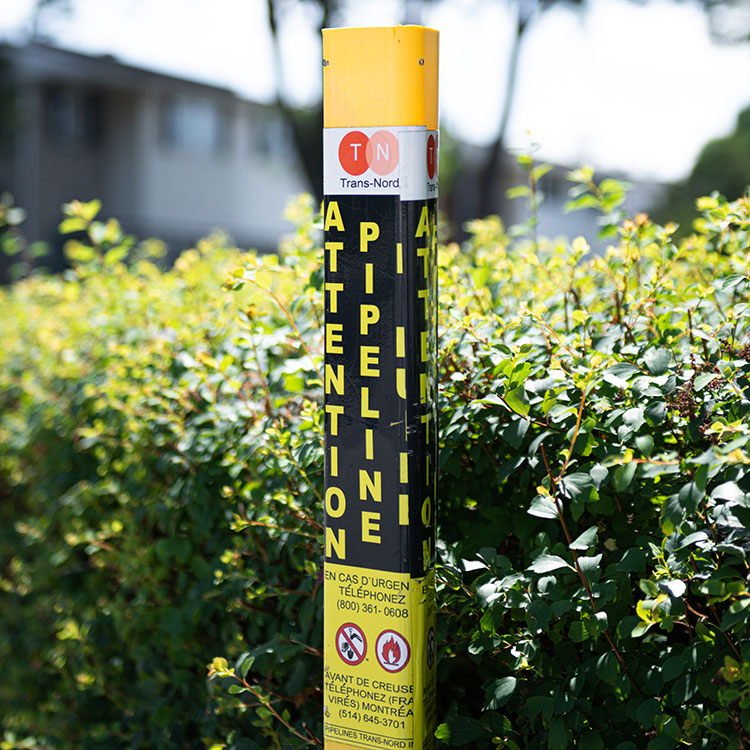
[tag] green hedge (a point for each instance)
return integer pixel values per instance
(161, 468)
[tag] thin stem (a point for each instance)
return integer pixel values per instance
(288, 316)
(310, 739)
(581, 576)
(262, 375)
(575, 435)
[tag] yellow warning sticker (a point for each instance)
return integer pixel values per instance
(379, 658)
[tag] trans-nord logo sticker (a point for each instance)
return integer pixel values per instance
(378, 152)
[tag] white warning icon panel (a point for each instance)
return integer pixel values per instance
(351, 644)
(392, 651)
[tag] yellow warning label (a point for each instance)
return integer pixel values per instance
(379, 658)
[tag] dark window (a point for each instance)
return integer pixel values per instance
(269, 136)
(194, 124)
(73, 116)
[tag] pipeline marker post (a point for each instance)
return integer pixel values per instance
(380, 218)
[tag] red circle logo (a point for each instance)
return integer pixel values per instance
(382, 152)
(353, 152)
(431, 156)
(358, 153)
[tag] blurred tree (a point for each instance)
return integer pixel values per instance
(304, 124)
(525, 11)
(8, 115)
(729, 21)
(40, 9)
(723, 165)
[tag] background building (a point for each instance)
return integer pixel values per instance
(168, 157)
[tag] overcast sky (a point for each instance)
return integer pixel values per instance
(636, 88)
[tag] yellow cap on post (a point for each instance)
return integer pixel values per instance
(380, 76)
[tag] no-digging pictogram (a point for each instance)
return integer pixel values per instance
(392, 651)
(351, 644)
(430, 647)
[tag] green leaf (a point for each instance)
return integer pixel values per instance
(673, 667)
(655, 413)
(72, 224)
(589, 565)
(647, 712)
(706, 203)
(517, 400)
(598, 474)
(732, 280)
(624, 476)
(115, 255)
(683, 689)
(547, 563)
(591, 741)
(607, 668)
(729, 491)
(459, 731)
(243, 744)
(15, 216)
(540, 614)
(633, 418)
(576, 486)
(694, 538)
(623, 370)
(540, 170)
(585, 540)
(672, 513)
(244, 663)
(558, 736)
(641, 629)
(542, 506)
(658, 360)
(645, 444)
(662, 742)
(519, 191)
(675, 587)
(633, 560)
(515, 432)
(78, 252)
(736, 613)
(534, 705)
(537, 441)
(703, 380)
(583, 201)
(498, 692)
(689, 497)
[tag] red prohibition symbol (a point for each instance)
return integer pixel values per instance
(351, 644)
(392, 651)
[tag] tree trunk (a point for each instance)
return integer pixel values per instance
(488, 195)
(306, 128)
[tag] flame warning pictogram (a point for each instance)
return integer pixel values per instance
(351, 644)
(392, 651)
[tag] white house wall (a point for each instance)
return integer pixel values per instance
(153, 189)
